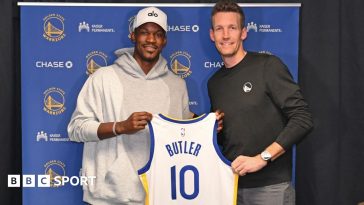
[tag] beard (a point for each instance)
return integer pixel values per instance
(149, 59)
(144, 56)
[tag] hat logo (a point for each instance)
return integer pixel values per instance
(153, 14)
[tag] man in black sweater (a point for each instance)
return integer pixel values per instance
(265, 113)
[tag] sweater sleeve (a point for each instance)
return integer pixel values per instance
(186, 106)
(84, 122)
(286, 95)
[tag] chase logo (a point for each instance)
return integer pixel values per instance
(53, 64)
(213, 64)
(53, 27)
(54, 101)
(180, 64)
(54, 168)
(95, 60)
(183, 28)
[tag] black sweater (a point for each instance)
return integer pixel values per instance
(262, 105)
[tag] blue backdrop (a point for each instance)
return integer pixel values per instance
(62, 44)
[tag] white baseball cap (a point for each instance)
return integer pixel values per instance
(150, 14)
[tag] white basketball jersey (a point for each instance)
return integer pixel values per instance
(186, 166)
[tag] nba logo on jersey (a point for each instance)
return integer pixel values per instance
(183, 132)
(186, 166)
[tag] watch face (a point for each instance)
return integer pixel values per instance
(266, 155)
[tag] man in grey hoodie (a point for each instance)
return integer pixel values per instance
(116, 141)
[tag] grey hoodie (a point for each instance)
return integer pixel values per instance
(112, 94)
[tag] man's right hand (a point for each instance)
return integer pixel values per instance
(243, 165)
(135, 122)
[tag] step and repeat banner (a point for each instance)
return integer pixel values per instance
(63, 44)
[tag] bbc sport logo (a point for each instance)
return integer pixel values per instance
(31, 180)
(54, 176)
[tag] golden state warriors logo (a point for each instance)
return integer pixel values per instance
(131, 23)
(181, 64)
(55, 168)
(53, 27)
(54, 101)
(95, 60)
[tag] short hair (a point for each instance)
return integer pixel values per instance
(228, 6)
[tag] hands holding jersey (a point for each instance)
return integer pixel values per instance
(135, 122)
(241, 165)
(219, 118)
(138, 120)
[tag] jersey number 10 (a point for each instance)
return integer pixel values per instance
(182, 182)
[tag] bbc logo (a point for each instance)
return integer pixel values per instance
(29, 181)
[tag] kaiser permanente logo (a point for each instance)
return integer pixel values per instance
(263, 28)
(95, 60)
(53, 26)
(54, 176)
(181, 64)
(94, 28)
(54, 101)
(53, 137)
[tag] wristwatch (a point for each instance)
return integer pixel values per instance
(265, 155)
